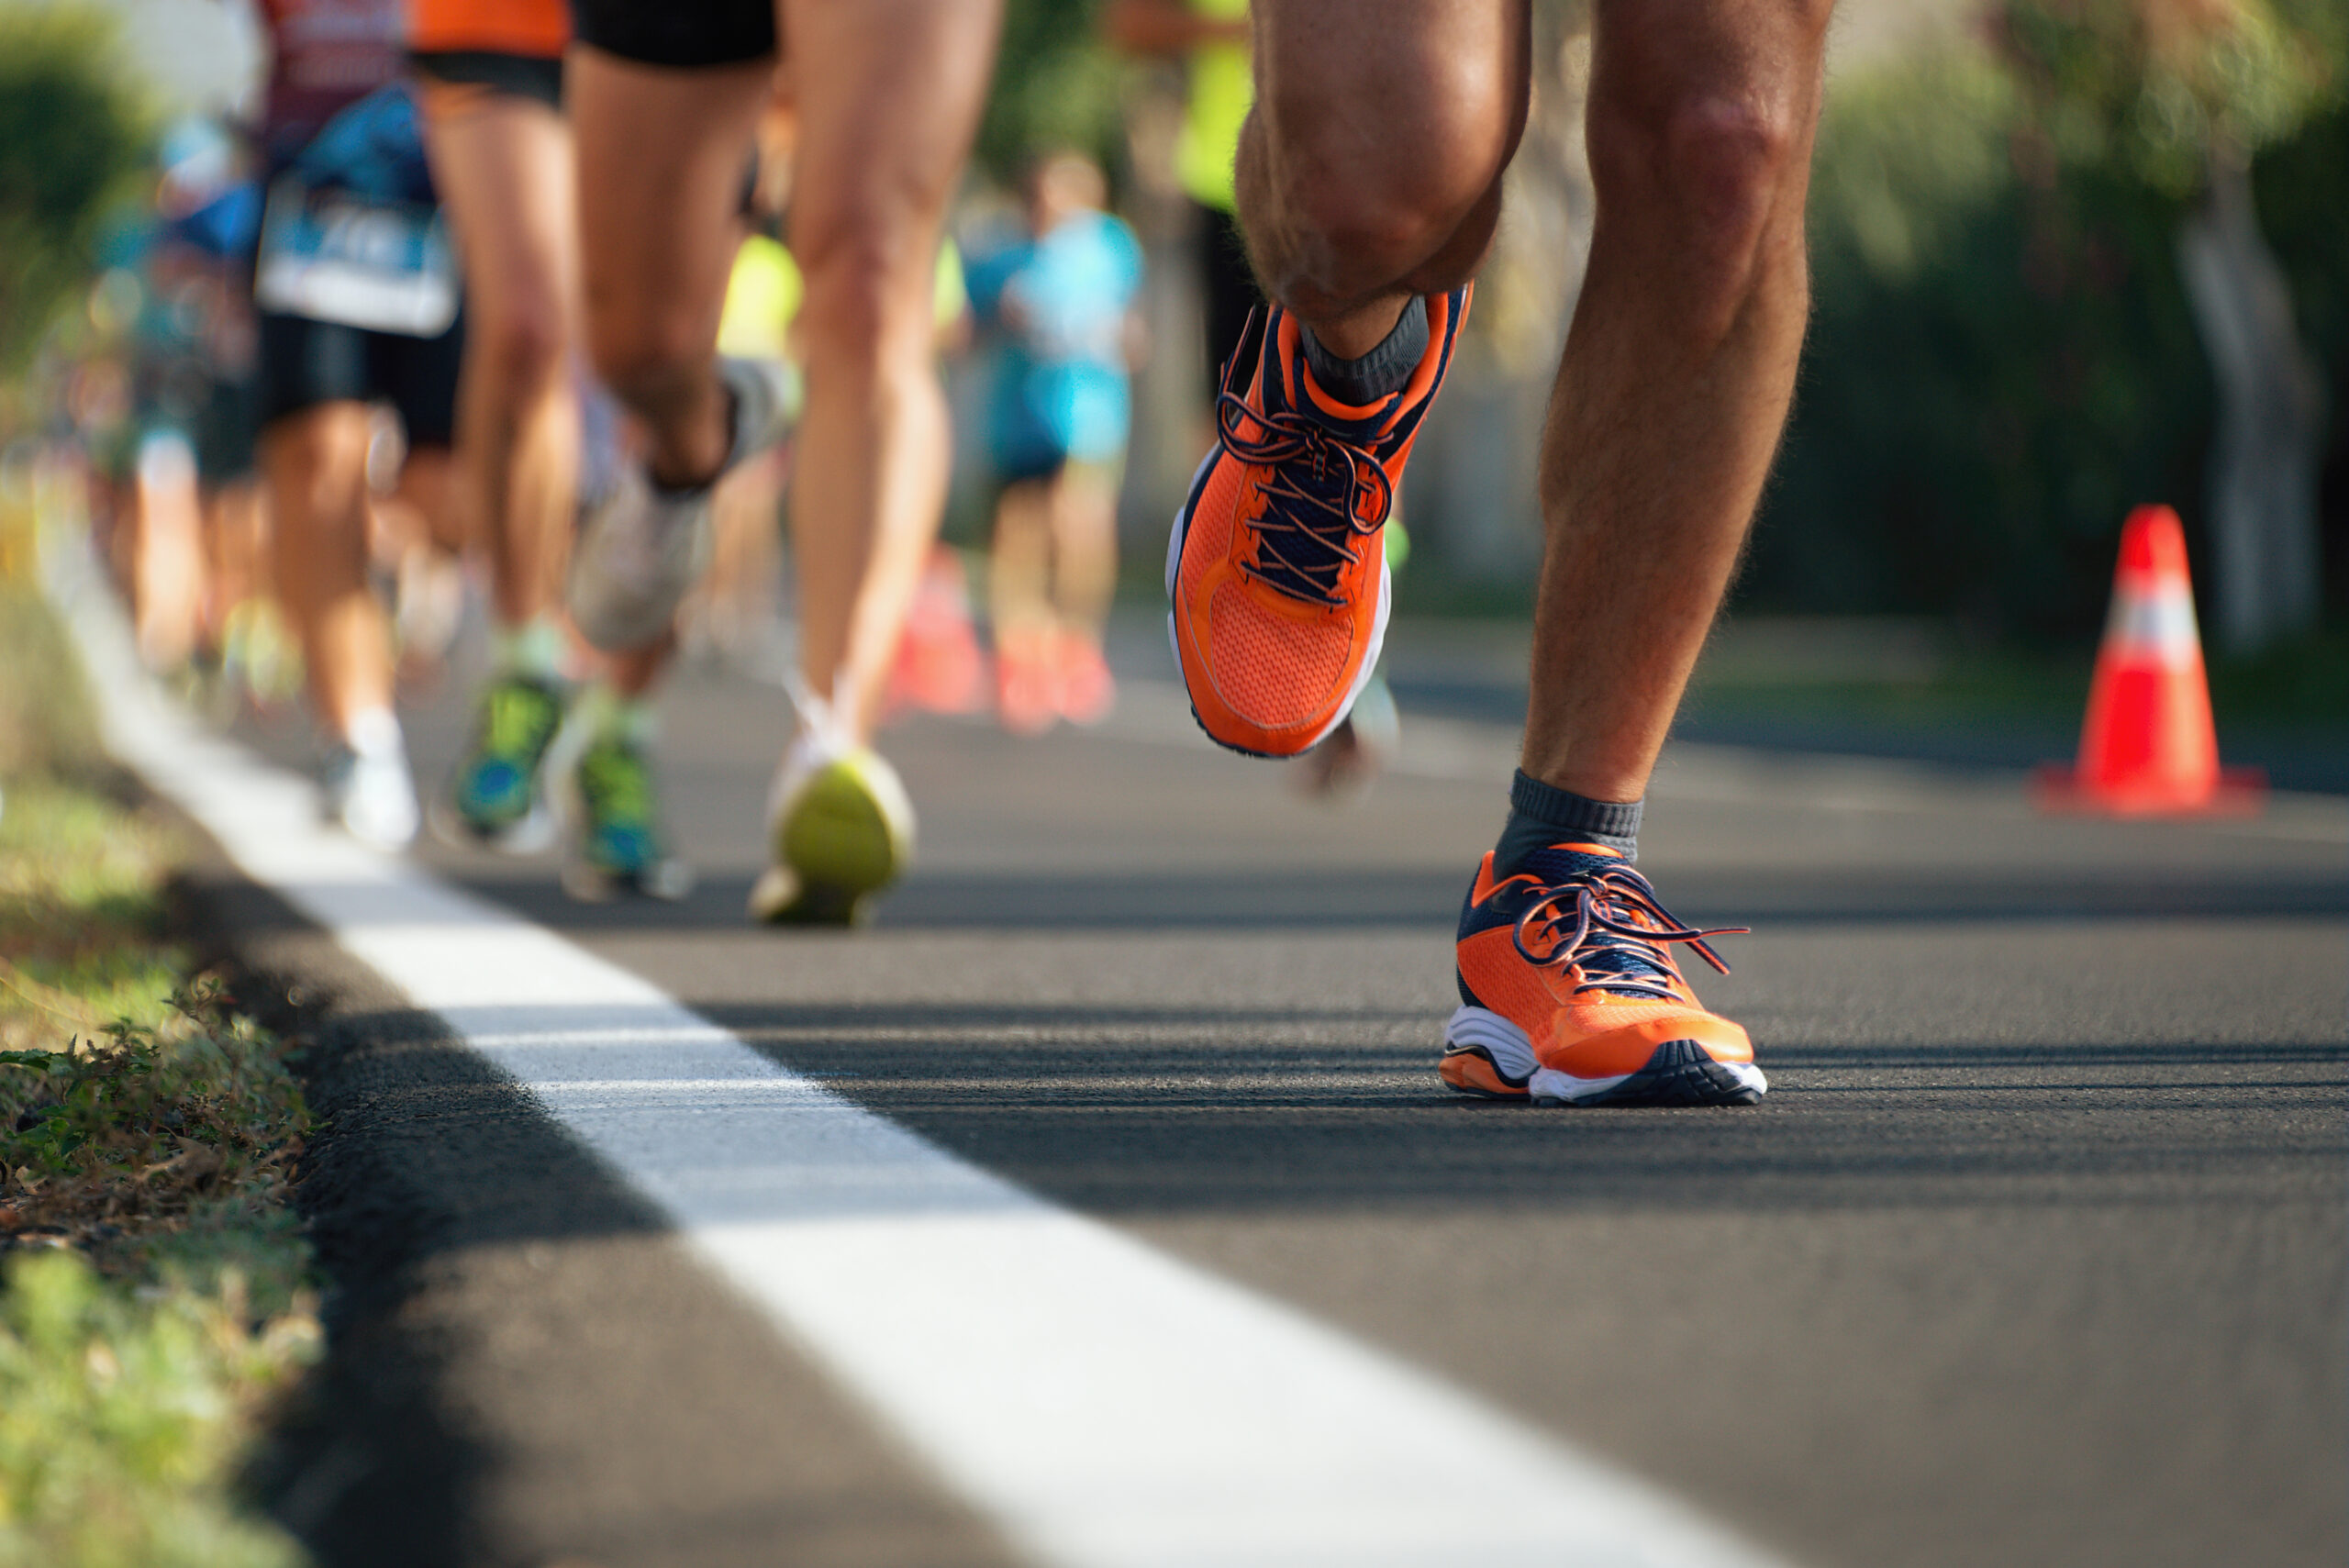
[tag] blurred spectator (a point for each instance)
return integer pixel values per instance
(1210, 39)
(1060, 300)
(358, 295)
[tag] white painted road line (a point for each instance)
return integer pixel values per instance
(1109, 1406)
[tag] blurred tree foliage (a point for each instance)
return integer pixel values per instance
(1056, 84)
(72, 134)
(2003, 358)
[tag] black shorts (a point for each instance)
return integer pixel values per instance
(683, 33)
(222, 432)
(516, 75)
(303, 364)
(1231, 290)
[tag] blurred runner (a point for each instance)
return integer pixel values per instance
(1369, 176)
(544, 756)
(1060, 300)
(665, 99)
(358, 300)
(209, 199)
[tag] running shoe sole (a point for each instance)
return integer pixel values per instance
(1174, 537)
(835, 849)
(619, 617)
(1486, 1056)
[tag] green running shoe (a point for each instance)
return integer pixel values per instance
(616, 844)
(840, 829)
(498, 795)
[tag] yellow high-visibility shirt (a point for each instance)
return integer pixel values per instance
(761, 296)
(1223, 86)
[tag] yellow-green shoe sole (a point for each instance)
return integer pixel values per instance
(840, 843)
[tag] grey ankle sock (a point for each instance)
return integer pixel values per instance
(1383, 369)
(1541, 815)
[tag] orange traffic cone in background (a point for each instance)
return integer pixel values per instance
(2148, 747)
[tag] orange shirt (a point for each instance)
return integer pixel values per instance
(538, 28)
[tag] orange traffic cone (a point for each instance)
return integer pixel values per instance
(2148, 747)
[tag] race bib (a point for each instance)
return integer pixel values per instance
(334, 256)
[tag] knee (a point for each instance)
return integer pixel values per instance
(315, 459)
(1712, 163)
(1363, 213)
(870, 277)
(1709, 173)
(523, 346)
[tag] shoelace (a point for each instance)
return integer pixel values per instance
(1616, 921)
(1321, 527)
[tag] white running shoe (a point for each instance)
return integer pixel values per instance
(840, 828)
(365, 786)
(640, 548)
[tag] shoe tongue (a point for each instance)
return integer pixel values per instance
(1559, 861)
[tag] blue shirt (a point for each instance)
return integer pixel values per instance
(1060, 387)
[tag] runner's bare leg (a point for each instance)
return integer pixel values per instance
(1680, 364)
(314, 463)
(503, 166)
(888, 93)
(1084, 546)
(1678, 369)
(662, 154)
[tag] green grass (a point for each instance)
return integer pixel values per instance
(155, 1291)
(123, 1416)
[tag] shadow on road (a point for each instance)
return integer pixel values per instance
(1306, 900)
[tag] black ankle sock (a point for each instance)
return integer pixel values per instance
(1541, 815)
(1383, 369)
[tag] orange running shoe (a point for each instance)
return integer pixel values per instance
(1569, 994)
(1277, 564)
(1025, 682)
(939, 667)
(1085, 691)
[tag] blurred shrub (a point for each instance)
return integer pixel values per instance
(2301, 190)
(72, 134)
(1056, 84)
(2003, 359)
(123, 1419)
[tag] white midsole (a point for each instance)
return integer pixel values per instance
(1512, 1053)
(1509, 1046)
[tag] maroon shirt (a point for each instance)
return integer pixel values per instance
(325, 55)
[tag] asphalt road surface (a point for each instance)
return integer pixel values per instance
(2033, 1254)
